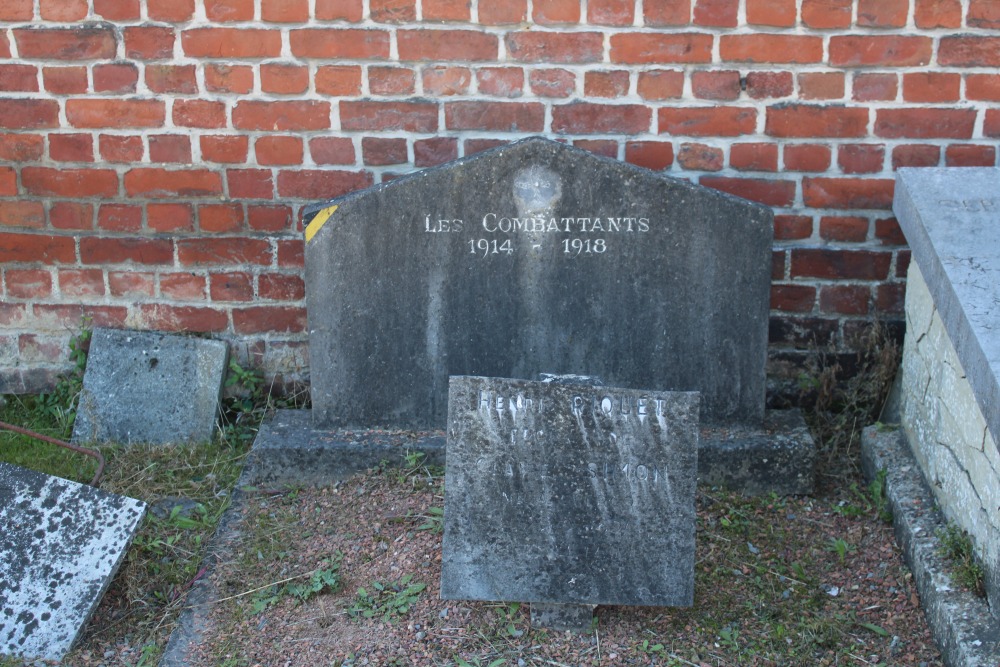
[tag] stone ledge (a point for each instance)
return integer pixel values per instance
(965, 630)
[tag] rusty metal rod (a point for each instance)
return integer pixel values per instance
(93, 453)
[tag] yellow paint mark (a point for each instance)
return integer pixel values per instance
(317, 222)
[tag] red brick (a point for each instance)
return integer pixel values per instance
(81, 282)
(391, 80)
(171, 79)
(844, 299)
(231, 43)
(611, 12)
(793, 298)
(117, 148)
(655, 155)
(800, 120)
(882, 13)
(183, 286)
(777, 13)
(278, 150)
(281, 116)
(825, 14)
(71, 147)
(847, 193)
(20, 213)
(807, 157)
(321, 184)
(969, 51)
(165, 317)
(65, 80)
(44, 248)
(555, 47)
(379, 151)
(700, 157)
(890, 298)
(28, 114)
(660, 84)
(17, 10)
(226, 78)
(715, 121)
(283, 79)
(556, 11)
(237, 286)
(445, 81)
(131, 284)
(552, 82)
(651, 48)
(716, 13)
(925, 123)
(63, 11)
(20, 78)
(887, 230)
(21, 147)
(589, 118)
(332, 150)
(220, 218)
(503, 13)
(250, 183)
(870, 87)
(269, 319)
(291, 254)
(606, 84)
(764, 85)
(173, 148)
(338, 80)
(984, 14)
(224, 149)
(929, 14)
(68, 317)
(778, 264)
(984, 87)
(473, 146)
(916, 155)
(754, 157)
(393, 11)
(849, 229)
(122, 250)
(603, 147)
(434, 151)
(284, 11)
(236, 251)
(70, 215)
(967, 155)
(445, 10)
(340, 43)
(398, 116)
(991, 124)
(666, 12)
(79, 43)
(267, 218)
(792, 227)
(281, 287)
(170, 11)
(224, 11)
(766, 191)
(115, 78)
(76, 183)
(879, 50)
(724, 85)
(163, 183)
(119, 218)
(339, 10)
(931, 86)
(861, 158)
(840, 264)
(500, 81)
(28, 283)
(495, 116)
(761, 48)
(8, 181)
(821, 85)
(149, 42)
(115, 113)
(170, 217)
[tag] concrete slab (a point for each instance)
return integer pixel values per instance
(60, 546)
(147, 387)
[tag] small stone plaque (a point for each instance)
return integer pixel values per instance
(569, 494)
(60, 545)
(153, 388)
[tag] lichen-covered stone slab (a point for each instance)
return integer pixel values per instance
(569, 494)
(149, 387)
(60, 545)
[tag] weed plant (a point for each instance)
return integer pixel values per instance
(955, 546)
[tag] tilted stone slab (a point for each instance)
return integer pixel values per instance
(60, 545)
(148, 387)
(527, 258)
(569, 494)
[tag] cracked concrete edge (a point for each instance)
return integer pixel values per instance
(966, 631)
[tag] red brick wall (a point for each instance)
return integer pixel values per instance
(157, 153)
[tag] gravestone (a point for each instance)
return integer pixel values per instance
(60, 545)
(148, 387)
(530, 257)
(569, 494)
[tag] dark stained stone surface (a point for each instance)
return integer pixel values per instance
(147, 387)
(534, 257)
(569, 494)
(60, 545)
